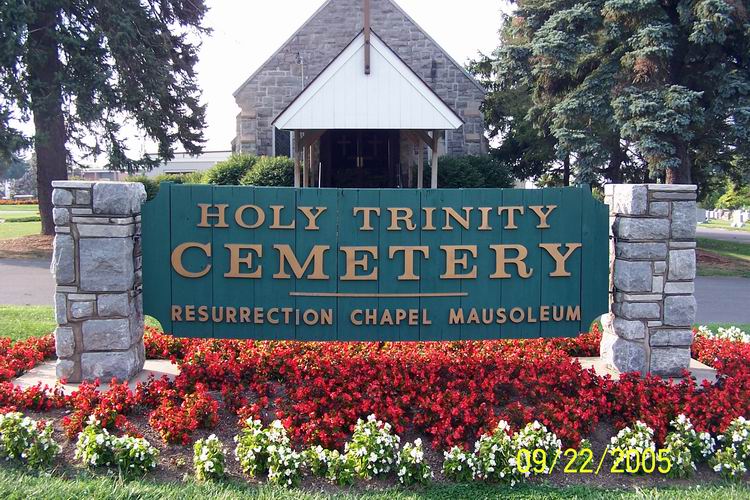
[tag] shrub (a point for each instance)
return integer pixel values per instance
(726, 463)
(373, 447)
(230, 171)
(535, 436)
(256, 445)
(186, 178)
(342, 469)
(149, 184)
(332, 465)
(639, 437)
(459, 465)
(736, 439)
(27, 440)
(94, 446)
(208, 459)
(496, 457)
(480, 171)
(271, 171)
(284, 465)
(411, 467)
(317, 459)
(133, 456)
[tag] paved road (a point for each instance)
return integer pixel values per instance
(723, 234)
(26, 282)
(720, 299)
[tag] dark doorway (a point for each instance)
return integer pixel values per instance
(359, 158)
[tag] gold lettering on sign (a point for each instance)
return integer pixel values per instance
(451, 213)
(429, 213)
(485, 224)
(220, 214)
(312, 218)
(260, 217)
(511, 215)
(177, 259)
(286, 254)
(574, 313)
(409, 251)
(236, 259)
(539, 211)
(554, 250)
(276, 209)
(501, 260)
(353, 263)
(401, 215)
(451, 261)
(366, 212)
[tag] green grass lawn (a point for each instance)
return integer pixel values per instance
(13, 208)
(735, 254)
(20, 322)
(17, 229)
(28, 217)
(723, 224)
(16, 484)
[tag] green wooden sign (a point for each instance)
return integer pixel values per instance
(374, 265)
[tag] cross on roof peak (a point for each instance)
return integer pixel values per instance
(367, 29)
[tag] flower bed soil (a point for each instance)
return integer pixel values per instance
(446, 393)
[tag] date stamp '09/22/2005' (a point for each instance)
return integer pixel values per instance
(572, 461)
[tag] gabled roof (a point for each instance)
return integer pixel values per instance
(392, 96)
(320, 9)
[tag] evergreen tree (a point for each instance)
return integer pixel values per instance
(620, 83)
(80, 69)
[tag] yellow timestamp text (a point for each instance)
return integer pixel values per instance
(584, 461)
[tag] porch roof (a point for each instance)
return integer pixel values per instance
(392, 96)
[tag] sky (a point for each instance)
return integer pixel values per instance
(248, 32)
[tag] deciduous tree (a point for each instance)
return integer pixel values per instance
(80, 69)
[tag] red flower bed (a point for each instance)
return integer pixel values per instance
(452, 392)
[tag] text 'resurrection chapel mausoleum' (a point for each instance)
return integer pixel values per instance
(360, 96)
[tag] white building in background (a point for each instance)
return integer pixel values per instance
(182, 163)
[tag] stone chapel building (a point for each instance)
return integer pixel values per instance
(360, 96)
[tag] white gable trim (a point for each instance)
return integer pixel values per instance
(392, 97)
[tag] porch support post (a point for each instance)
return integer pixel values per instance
(435, 155)
(297, 157)
(305, 167)
(420, 166)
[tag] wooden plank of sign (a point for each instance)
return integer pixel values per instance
(156, 246)
(186, 216)
(306, 239)
(276, 292)
(432, 268)
(350, 234)
(391, 269)
(242, 292)
(482, 293)
(595, 255)
(564, 228)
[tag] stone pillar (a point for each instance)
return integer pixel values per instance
(97, 268)
(652, 269)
